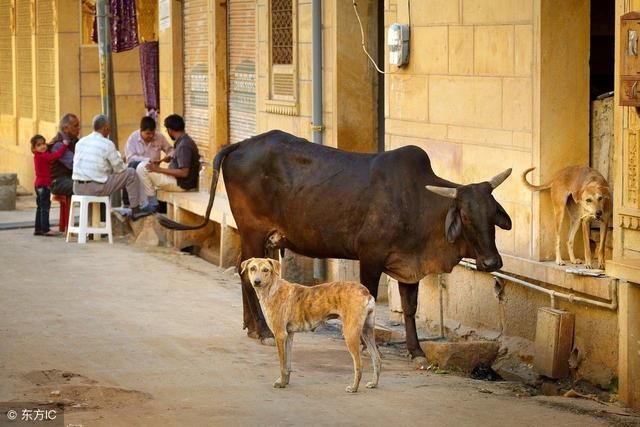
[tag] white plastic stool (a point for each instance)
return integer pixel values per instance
(83, 228)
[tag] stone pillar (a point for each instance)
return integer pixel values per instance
(8, 186)
(629, 354)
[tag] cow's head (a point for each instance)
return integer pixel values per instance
(473, 216)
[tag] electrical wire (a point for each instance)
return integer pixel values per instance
(364, 46)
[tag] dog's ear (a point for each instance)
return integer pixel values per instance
(453, 224)
(243, 265)
(275, 265)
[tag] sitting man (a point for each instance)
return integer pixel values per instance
(62, 169)
(182, 173)
(146, 144)
(98, 169)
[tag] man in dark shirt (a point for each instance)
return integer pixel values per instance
(62, 169)
(182, 173)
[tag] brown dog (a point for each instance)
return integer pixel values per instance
(586, 195)
(289, 307)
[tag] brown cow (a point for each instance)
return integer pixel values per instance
(326, 203)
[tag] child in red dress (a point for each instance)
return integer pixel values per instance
(42, 160)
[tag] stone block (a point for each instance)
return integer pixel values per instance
(386, 335)
(495, 137)
(461, 50)
(430, 12)
(408, 97)
(523, 35)
(432, 58)
(493, 50)
(460, 355)
(145, 231)
(517, 101)
(482, 106)
(8, 187)
(497, 11)
(511, 368)
(230, 246)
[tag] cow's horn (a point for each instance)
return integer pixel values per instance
(499, 179)
(443, 191)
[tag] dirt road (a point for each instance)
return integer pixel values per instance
(123, 336)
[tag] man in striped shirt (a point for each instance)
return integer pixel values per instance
(98, 169)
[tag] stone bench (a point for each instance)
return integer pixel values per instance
(219, 241)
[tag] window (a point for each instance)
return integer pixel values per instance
(282, 72)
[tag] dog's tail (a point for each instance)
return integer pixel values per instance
(217, 163)
(531, 186)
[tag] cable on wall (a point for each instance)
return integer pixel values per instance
(364, 46)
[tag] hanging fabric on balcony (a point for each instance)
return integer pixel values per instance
(150, 73)
(124, 26)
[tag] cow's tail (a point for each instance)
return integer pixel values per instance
(217, 163)
(531, 186)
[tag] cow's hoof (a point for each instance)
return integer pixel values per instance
(279, 383)
(253, 334)
(270, 341)
(420, 362)
(371, 384)
(351, 389)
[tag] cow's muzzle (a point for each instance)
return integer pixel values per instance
(492, 263)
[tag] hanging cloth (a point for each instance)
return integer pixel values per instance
(124, 26)
(150, 73)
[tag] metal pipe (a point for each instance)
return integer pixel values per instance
(440, 296)
(107, 97)
(613, 290)
(319, 265)
(107, 92)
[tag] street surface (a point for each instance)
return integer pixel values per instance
(125, 336)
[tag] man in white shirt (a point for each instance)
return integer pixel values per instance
(98, 169)
(146, 144)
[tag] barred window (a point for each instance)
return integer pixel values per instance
(283, 81)
(281, 32)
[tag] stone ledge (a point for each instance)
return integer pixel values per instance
(196, 202)
(624, 268)
(553, 274)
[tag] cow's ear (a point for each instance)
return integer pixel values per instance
(275, 265)
(502, 218)
(453, 224)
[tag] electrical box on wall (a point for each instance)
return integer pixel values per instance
(398, 43)
(554, 341)
(630, 59)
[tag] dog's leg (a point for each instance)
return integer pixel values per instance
(571, 238)
(289, 353)
(604, 229)
(369, 338)
(559, 216)
(352, 339)
(585, 239)
(282, 355)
